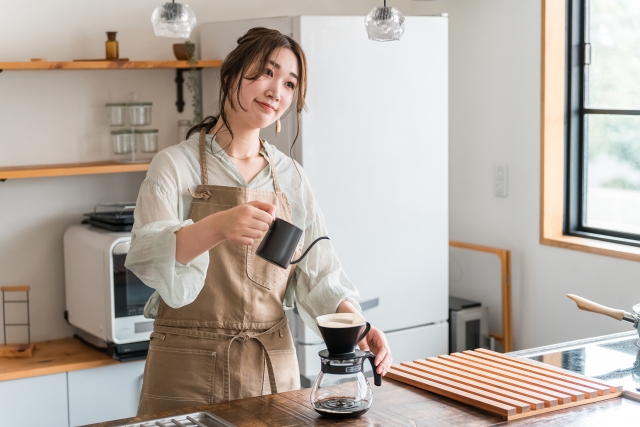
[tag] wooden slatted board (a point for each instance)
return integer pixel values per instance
(511, 387)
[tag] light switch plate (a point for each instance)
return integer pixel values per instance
(500, 179)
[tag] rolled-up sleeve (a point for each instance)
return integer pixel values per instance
(321, 283)
(152, 255)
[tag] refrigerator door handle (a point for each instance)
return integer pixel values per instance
(366, 305)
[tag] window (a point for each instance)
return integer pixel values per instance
(602, 170)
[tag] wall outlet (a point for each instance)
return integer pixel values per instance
(500, 179)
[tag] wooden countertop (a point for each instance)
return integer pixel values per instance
(53, 357)
(398, 404)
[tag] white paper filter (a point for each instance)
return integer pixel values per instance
(340, 320)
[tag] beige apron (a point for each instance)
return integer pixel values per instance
(233, 341)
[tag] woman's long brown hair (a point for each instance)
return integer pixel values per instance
(255, 47)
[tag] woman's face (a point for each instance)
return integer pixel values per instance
(267, 98)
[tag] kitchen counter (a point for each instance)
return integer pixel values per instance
(397, 404)
(613, 358)
(564, 346)
(53, 357)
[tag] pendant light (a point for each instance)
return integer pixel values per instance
(173, 20)
(384, 24)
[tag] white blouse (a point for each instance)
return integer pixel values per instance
(319, 283)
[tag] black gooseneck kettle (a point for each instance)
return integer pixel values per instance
(280, 242)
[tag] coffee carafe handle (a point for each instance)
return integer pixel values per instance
(377, 378)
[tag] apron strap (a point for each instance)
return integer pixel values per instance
(272, 376)
(272, 165)
(246, 336)
(203, 157)
(204, 193)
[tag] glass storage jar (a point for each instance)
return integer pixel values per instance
(140, 113)
(147, 140)
(123, 142)
(116, 114)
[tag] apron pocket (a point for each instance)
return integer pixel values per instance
(262, 272)
(285, 368)
(176, 374)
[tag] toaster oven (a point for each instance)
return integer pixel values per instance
(104, 300)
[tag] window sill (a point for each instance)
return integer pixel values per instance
(593, 246)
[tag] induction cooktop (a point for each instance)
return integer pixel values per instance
(612, 358)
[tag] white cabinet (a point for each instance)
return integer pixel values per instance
(72, 398)
(35, 401)
(419, 343)
(103, 394)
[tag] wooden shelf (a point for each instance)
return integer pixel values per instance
(106, 65)
(68, 169)
(37, 171)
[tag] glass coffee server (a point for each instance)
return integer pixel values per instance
(341, 389)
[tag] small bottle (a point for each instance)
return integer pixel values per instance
(111, 45)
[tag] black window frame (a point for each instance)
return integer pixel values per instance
(577, 50)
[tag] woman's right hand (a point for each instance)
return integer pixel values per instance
(240, 225)
(243, 224)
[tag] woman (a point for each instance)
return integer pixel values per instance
(220, 332)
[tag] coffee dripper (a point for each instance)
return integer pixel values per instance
(341, 389)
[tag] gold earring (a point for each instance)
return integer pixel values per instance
(278, 126)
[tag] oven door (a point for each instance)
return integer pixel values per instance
(128, 300)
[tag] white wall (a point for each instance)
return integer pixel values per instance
(495, 116)
(57, 116)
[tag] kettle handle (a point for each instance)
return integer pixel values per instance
(586, 305)
(377, 378)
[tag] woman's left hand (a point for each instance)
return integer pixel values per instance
(376, 342)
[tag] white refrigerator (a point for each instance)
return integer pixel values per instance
(374, 143)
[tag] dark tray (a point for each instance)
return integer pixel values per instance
(116, 218)
(107, 226)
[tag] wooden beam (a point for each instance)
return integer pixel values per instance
(552, 112)
(106, 65)
(68, 169)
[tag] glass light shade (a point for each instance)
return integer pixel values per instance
(173, 20)
(384, 24)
